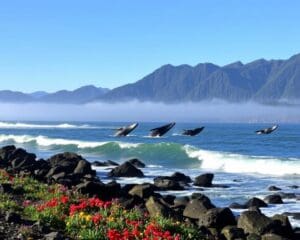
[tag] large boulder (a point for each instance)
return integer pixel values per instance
(255, 222)
(273, 199)
(143, 190)
(217, 218)
(255, 202)
(204, 180)
(274, 188)
(126, 170)
(166, 183)
(232, 233)
(284, 227)
(137, 163)
(180, 177)
(197, 206)
(156, 208)
(84, 167)
(90, 188)
(5, 153)
(68, 161)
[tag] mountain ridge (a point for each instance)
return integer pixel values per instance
(264, 81)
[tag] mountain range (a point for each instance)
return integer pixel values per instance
(261, 80)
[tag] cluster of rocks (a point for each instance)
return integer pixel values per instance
(74, 171)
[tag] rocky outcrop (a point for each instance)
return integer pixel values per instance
(197, 206)
(167, 183)
(137, 163)
(204, 180)
(273, 199)
(216, 218)
(126, 170)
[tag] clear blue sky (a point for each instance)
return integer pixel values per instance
(54, 44)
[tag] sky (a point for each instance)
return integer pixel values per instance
(53, 44)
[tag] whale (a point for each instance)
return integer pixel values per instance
(160, 131)
(267, 130)
(192, 132)
(124, 131)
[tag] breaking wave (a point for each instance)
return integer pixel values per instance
(163, 154)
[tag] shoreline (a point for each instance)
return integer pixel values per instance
(74, 172)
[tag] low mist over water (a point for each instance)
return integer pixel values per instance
(214, 111)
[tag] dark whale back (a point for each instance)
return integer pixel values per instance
(124, 131)
(192, 132)
(160, 131)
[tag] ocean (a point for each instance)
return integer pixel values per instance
(246, 162)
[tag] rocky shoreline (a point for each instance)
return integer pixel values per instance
(74, 172)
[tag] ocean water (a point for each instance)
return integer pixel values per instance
(246, 162)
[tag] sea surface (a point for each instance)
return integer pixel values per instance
(246, 162)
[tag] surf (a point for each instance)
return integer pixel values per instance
(164, 154)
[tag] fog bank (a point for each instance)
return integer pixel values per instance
(136, 111)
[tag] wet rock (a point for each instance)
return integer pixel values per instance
(287, 195)
(126, 170)
(273, 199)
(180, 177)
(84, 167)
(58, 176)
(156, 208)
(197, 206)
(5, 153)
(284, 227)
(274, 188)
(217, 218)
(165, 183)
(90, 188)
(255, 222)
(237, 206)
(294, 187)
(232, 233)
(137, 163)
(204, 180)
(143, 190)
(255, 202)
(129, 202)
(107, 163)
(109, 191)
(181, 201)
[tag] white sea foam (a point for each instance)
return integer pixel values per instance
(46, 141)
(20, 125)
(238, 163)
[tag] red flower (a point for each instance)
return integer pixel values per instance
(64, 199)
(96, 218)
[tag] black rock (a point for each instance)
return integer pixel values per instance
(180, 177)
(126, 170)
(217, 218)
(204, 180)
(273, 199)
(90, 188)
(156, 208)
(255, 202)
(137, 163)
(197, 206)
(255, 222)
(181, 201)
(233, 232)
(84, 167)
(143, 190)
(287, 195)
(295, 215)
(165, 183)
(110, 190)
(274, 188)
